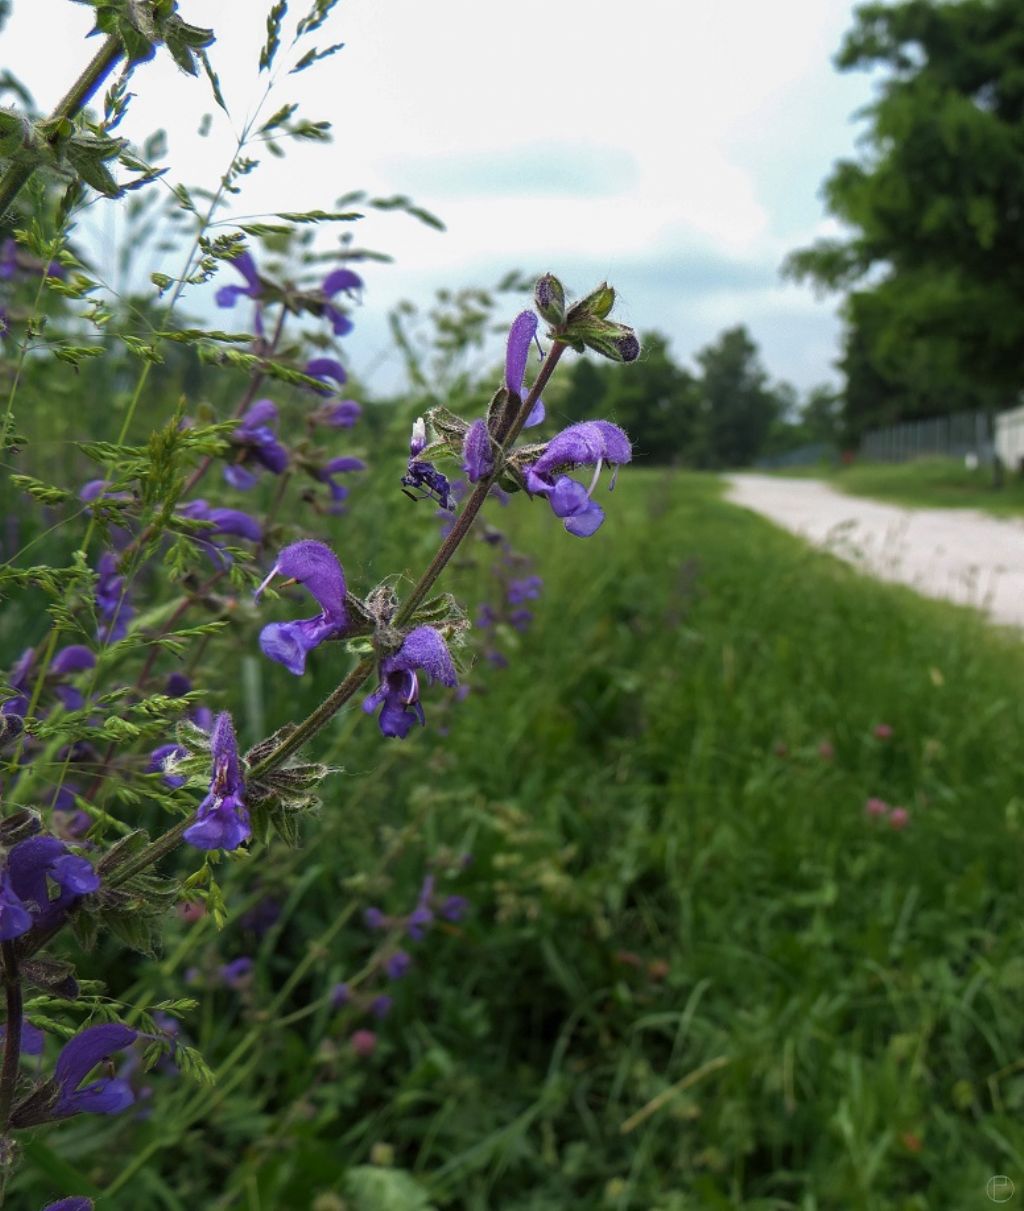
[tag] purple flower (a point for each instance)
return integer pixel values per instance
(338, 996)
(421, 918)
(342, 415)
(32, 1038)
(222, 819)
(158, 759)
(316, 567)
(589, 443)
(477, 456)
(78, 1058)
(373, 918)
(454, 908)
(238, 973)
(14, 916)
(112, 600)
(338, 466)
(35, 863)
(517, 350)
(526, 589)
(257, 443)
(70, 660)
(227, 296)
(380, 1006)
(399, 691)
(397, 965)
(325, 369)
(422, 476)
(74, 1203)
(336, 281)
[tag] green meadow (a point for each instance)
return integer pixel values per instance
(696, 972)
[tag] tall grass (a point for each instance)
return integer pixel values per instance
(696, 973)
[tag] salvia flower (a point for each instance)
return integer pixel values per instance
(397, 965)
(335, 282)
(316, 568)
(454, 908)
(589, 443)
(222, 819)
(38, 862)
(74, 1203)
(256, 442)
(424, 650)
(79, 1057)
(517, 350)
(113, 602)
(15, 918)
(422, 476)
(342, 415)
(326, 369)
(227, 296)
(32, 1038)
(477, 455)
(326, 474)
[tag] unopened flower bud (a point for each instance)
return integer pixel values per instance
(614, 341)
(549, 299)
(595, 306)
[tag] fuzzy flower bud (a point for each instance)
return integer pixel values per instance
(549, 299)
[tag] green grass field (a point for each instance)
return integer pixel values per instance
(697, 974)
(943, 483)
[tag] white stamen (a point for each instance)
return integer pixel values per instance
(414, 689)
(597, 471)
(273, 572)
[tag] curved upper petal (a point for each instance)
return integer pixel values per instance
(340, 279)
(424, 648)
(522, 332)
(315, 566)
(87, 1049)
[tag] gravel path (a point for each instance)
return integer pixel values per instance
(960, 555)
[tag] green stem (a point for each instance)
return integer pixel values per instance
(17, 175)
(12, 1037)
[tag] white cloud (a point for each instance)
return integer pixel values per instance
(687, 126)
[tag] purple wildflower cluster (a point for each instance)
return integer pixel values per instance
(392, 961)
(41, 879)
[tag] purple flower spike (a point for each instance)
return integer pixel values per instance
(222, 819)
(477, 457)
(227, 296)
(424, 649)
(74, 1203)
(520, 336)
(112, 600)
(14, 916)
(159, 757)
(77, 1059)
(316, 567)
(590, 443)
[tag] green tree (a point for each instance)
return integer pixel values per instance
(656, 401)
(737, 403)
(936, 209)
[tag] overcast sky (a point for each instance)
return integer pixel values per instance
(674, 147)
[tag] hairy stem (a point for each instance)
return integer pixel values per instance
(17, 175)
(12, 1038)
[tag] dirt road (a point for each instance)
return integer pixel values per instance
(957, 554)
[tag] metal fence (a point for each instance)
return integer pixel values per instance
(959, 435)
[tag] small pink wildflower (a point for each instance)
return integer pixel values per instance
(364, 1043)
(899, 818)
(883, 731)
(826, 750)
(876, 807)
